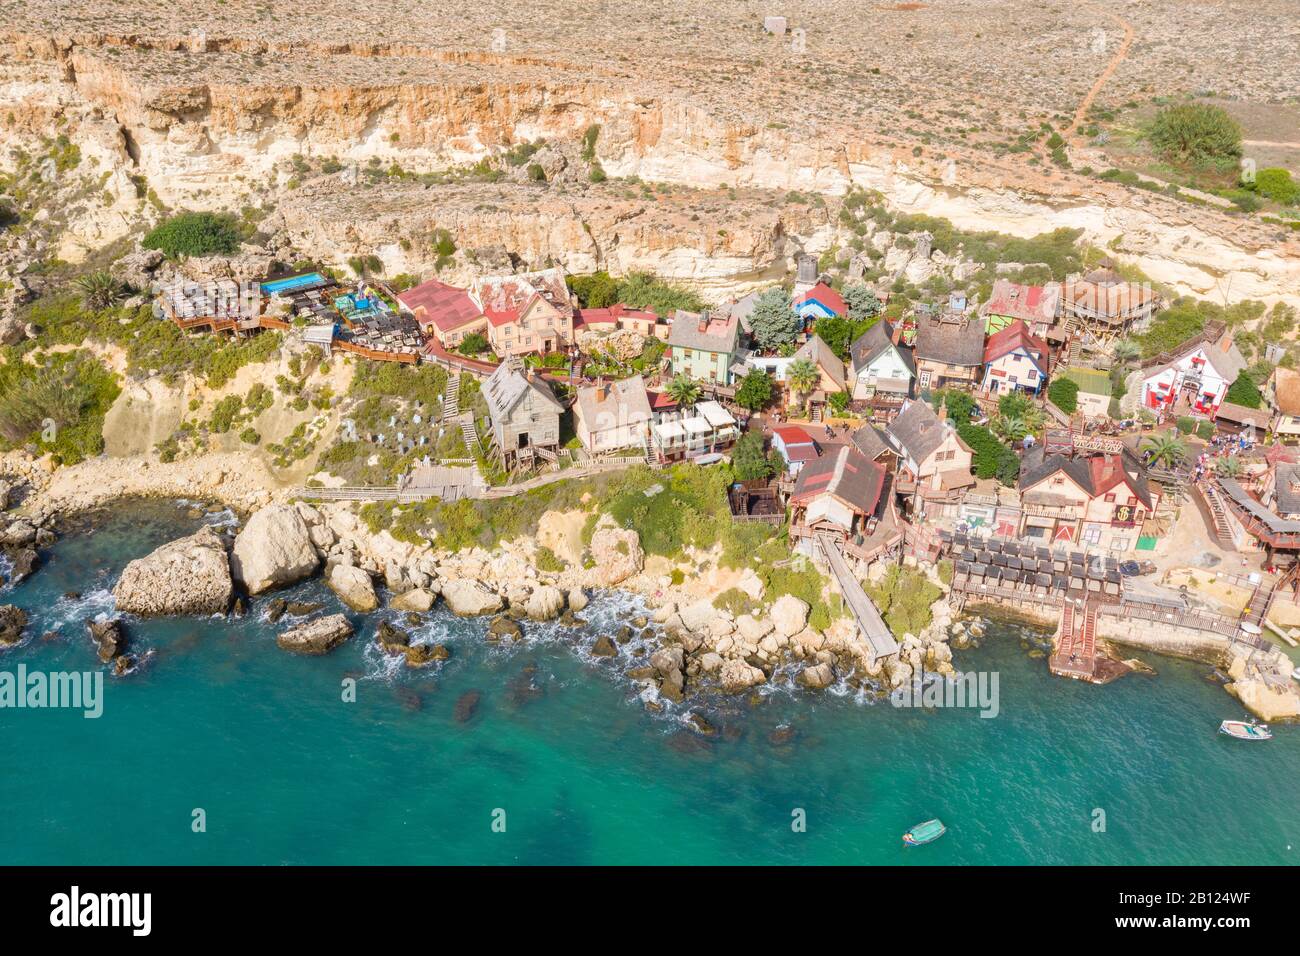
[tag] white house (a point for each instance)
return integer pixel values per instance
(1195, 380)
(880, 366)
(1015, 360)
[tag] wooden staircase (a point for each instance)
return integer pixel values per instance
(1260, 601)
(1218, 515)
(451, 400)
(469, 433)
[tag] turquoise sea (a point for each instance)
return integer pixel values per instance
(286, 772)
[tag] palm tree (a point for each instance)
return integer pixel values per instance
(802, 376)
(683, 391)
(1230, 467)
(1166, 449)
(98, 291)
(1010, 428)
(1126, 351)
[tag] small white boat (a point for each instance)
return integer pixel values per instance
(1296, 673)
(1245, 730)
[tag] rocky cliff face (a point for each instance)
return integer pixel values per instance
(212, 126)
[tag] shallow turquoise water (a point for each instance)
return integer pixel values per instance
(286, 772)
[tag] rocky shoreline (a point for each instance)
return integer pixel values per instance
(688, 644)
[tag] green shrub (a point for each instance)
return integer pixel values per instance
(58, 406)
(1205, 430)
(735, 601)
(249, 436)
(195, 234)
(903, 598)
(1064, 394)
(1186, 424)
(1244, 391)
(1196, 133)
(549, 562)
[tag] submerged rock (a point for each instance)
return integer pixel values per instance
(187, 576)
(392, 640)
(467, 706)
(12, 622)
(273, 549)
(316, 637)
(504, 627)
(276, 609)
(421, 655)
(604, 647)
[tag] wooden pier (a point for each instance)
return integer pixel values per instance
(870, 623)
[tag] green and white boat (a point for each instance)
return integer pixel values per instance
(924, 833)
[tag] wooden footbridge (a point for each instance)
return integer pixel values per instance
(870, 623)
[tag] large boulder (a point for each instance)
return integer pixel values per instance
(353, 586)
(12, 622)
(545, 603)
(418, 599)
(789, 615)
(187, 576)
(817, 677)
(700, 615)
(274, 549)
(469, 598)
(616, 555)
(316, 637)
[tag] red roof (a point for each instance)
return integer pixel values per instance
(612, 315)
(659, 400)
(1022, 301)
(439, 304)
(799, 445)
(1107, 472)
(1015, 336)
(824, 294)
(793, 435)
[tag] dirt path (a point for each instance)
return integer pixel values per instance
(1082, 112)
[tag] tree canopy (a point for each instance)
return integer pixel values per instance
(755, 391)
(773, 319)
(748, 460)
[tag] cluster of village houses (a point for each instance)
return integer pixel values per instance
(865, 487)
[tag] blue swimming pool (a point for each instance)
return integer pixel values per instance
(293, 283)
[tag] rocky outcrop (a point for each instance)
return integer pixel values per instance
(316, 637)
(187, 576)
(616, 554)
(273, 550)
(109, 637)
(470, 598)
(354, 587)
(12, 622)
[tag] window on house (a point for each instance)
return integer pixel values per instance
(1110, 499)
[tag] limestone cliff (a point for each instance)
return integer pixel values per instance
(210, 123)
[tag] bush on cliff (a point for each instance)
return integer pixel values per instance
(195, 234)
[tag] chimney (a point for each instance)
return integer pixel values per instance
(704, 322)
